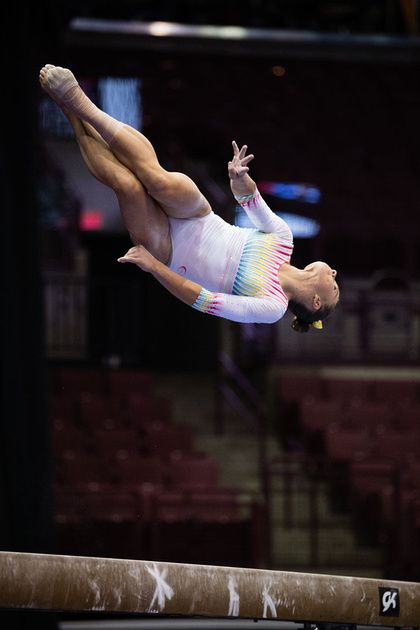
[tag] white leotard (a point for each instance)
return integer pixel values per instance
(237, 267)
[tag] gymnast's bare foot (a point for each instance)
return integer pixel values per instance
(56, 81)
(44, 83)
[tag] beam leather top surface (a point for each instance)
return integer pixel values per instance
(68, 583)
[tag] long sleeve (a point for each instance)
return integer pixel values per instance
(264, 218)
(242, 308)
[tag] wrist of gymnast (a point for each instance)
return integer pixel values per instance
(247, 197)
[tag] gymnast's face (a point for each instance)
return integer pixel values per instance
(324, 282)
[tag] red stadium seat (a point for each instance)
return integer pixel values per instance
(76, 467)
(70, 505)
(372, 488)
(122, 383)
(61, 407)
(113, 506)
(410, 473)
(292, 388)
(345, 389)
(66, 437)
(411, 538)
(367, 414)
(172, 507)
(108, 443)
(397, 445)
(138, 471)
(99, 412)
(346, 445)
(142, 407)
(106, 522)
(161, 439)
(72, 381)
(342, 446)
(217, 505)
(317, 414)
(371, 475)
(406, 414)
(193, 472)
(393, 391)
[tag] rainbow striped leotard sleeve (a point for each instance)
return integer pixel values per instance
(256, 295)
(264, 218)
(240, 308)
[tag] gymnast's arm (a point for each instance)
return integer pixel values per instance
(238, 308)
(247, 195)
(182, 288)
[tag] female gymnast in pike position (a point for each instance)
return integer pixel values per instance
(241, 274)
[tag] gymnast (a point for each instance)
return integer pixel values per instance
(241, 274)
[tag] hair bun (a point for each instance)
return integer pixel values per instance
(300, 325)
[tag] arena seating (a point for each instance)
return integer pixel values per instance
(128, 481)
(365, 437)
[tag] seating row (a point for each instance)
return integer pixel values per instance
(95, 409)
(68, 381)
(377, 480)
(149, 437)
(129, 483)
(315, 414)
(121, 504)
(185, 472)
(368, 452)
(148, 503)
(385, 506)
(213, 527)
(292, 388)
(341, 444)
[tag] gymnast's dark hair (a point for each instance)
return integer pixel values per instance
(304, 317)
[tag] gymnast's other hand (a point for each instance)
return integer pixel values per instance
(238, 166)
(141, 257)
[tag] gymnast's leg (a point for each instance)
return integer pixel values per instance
(176, 193)
(145, 221)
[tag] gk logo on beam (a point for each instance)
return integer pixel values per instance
(389, 602)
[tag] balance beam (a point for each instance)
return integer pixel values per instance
(81, 584)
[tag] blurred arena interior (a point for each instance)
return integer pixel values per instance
(135, 427)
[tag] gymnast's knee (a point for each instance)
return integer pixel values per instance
(127, 185)
(161, 184)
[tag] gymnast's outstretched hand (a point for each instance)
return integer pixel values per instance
(141, 257)
(238, 166)
(181, 287)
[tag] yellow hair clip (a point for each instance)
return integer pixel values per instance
(318, 324)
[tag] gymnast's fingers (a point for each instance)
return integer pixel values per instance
(243, 151)
(247, 159)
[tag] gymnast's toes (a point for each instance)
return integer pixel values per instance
(58, 76)
(57, 80)
(44, 75)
